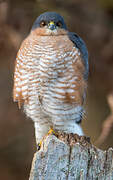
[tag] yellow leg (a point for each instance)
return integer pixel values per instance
(51, 131)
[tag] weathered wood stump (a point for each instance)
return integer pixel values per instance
(70, 157)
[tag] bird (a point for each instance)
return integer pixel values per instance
(50, 77)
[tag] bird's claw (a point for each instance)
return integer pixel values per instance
(51, 131)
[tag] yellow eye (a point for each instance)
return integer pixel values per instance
(59, 24)
(42, 23)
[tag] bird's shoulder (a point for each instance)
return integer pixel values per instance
(80, 44)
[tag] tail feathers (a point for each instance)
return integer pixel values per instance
(73, 128)
(78, 130)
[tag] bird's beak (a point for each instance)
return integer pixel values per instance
(51, 25)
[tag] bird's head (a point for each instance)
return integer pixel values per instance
(49, 23)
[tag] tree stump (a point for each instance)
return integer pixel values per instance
(71, 157)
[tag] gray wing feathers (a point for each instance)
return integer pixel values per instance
(80, 44)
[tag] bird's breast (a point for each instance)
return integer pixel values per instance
(54, 55)
(53, 68)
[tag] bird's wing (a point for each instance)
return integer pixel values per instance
(80, 44)
(23, 67)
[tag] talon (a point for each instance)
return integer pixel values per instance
(51, 131)
(39, 145)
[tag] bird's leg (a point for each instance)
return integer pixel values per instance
(51, 131)
(41, 132)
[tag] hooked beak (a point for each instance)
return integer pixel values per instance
(52, 25)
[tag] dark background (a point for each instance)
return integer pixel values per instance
(93, 21)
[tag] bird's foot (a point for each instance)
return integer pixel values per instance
(51, 131)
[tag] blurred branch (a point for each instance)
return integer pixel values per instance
(108, 123)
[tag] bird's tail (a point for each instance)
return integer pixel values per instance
(78, 130)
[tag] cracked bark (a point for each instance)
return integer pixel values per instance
(70, 157)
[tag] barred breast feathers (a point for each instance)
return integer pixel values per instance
(44, 69)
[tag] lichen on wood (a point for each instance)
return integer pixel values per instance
(71, 157)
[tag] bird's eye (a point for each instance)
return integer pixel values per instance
(59, 24)
(42, 23)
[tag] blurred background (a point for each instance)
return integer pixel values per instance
(93, 21)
